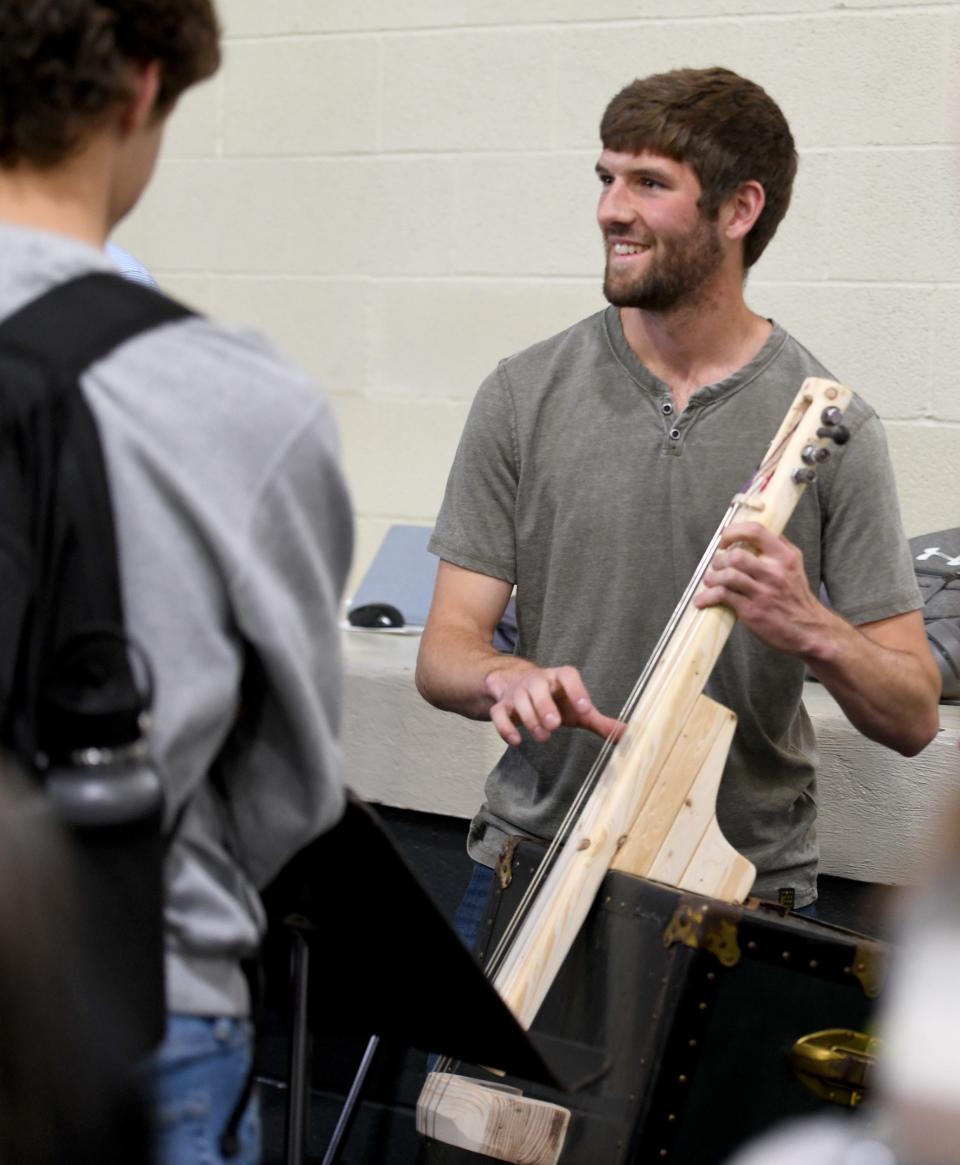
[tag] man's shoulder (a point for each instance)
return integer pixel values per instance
(793, 350)
(803, 363)
(238, 351)
(217, 368)
(211, 400)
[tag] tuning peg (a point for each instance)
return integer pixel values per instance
(813, 453)
(839, 434)
(804, 476)
(831, 416)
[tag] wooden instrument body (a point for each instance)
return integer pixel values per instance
(652, 811)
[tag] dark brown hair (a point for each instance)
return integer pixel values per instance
(726, 128)
(64, 65)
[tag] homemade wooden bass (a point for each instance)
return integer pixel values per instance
(648, 807)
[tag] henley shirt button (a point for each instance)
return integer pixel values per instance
(666, 408)
(674, 434)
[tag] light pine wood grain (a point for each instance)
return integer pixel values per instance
(497, 1122)
(676, 838)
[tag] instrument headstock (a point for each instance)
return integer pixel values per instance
(813, 424)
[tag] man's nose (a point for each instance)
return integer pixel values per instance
(614, 207)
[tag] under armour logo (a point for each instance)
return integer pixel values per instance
(936, 552)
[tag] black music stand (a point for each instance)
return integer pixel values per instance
(390, 963)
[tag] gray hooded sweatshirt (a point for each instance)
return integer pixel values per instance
(235, 537)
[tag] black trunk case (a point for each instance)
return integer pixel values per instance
(697, 1004)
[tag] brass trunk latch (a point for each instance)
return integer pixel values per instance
(836, 1065)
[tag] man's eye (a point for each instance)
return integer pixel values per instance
(605, 179)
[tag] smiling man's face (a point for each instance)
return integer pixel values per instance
(660, 249)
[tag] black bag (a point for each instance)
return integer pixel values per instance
(66, 678)
(936, 560)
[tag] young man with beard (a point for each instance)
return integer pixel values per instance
(595, 467)
(233, 528)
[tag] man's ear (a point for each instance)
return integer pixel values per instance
(144, 90)
(740, 213)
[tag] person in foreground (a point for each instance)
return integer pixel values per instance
(595, 467)
(233, 526)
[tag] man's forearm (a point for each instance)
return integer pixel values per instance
(888, 694)
(452, 668)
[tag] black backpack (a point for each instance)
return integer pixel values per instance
(68, 678)
(936, 560)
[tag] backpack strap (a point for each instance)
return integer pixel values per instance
(76, 323)
(56, 509)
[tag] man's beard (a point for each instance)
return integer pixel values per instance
(675, 277)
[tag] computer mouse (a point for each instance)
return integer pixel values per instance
(375, 615)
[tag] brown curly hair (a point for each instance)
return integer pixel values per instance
(64, 65)
(726, 128)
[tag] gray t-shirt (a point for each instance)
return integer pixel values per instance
(576, 480)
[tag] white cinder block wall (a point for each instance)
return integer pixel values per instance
(402, 191)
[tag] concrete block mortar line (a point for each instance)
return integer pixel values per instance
(948, 53)
(860, 11)
(554, 92)
(423, 32)
(273, 276)
(220, 114)
(930, 303)
(520, 279)
(394, 155)
(381, 94)
(916, 285)
(940, 425)
(375, 326)
(806, 15)
(375, 154)
(882, 148)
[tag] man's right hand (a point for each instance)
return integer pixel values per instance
(459, 670)
(541, 699)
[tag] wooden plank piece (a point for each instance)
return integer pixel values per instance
(717, 869)
(674, 787)
(698, 809)
(496, 1122)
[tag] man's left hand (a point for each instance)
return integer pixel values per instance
(761, 578)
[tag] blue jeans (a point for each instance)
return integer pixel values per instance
(469, 914)
(196, 1077)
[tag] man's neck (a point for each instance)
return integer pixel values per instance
(695, 344)
(70, 199)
